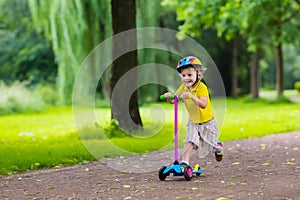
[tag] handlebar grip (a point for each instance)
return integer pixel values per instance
(162, 97)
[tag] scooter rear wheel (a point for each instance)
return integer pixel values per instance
(188, 173)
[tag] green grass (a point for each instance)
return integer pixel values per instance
(48, 139)
(258, 118)
(29, 141)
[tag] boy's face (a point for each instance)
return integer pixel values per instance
(189, 76)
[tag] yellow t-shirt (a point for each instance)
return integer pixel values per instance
(197, 114)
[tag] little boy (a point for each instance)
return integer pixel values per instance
(202, 126)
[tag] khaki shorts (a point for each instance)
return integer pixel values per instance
(203, 135)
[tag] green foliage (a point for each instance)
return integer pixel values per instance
(113, 130)
(24, 54)
(74, 28)
(252, 19)
(297, 86)
(17, 98)
(48, 94)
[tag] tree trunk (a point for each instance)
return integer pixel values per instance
(254, 81)
(123, 18)
(279, 71)
(234, 87)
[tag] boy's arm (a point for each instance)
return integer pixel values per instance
(201, 101)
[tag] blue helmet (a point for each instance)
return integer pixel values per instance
(189, 61)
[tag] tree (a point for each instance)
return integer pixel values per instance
(24, 54)
(284, 28)
(74, 29)
(198, 15)
(124, 18)
(279, 19)
(147, 15)
(252, 19)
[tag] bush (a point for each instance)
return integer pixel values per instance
(17, 98)
(48, 94)
(113, 130)
(297, 86)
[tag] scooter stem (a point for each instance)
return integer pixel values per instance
(176, 128)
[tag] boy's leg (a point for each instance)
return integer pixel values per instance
(219, 153)
(191, 141)
(187, 150)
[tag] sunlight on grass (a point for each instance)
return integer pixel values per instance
(272, 95)
(48, 139)
(52, 123)
(256, 119)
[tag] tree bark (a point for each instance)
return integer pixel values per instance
(254, 81)
(234, 89)
(279, 71)
(124, 18)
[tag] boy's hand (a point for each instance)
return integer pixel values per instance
(167, 95)
(186, 95)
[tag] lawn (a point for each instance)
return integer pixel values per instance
(50, 138)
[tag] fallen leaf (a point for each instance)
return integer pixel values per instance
(266, 164)
(222, 198)
(296, 149)
(87, 169)
(194, 188)
(230, 148)
(236, 163)
(126, 186)
(231, 184)
(197, 181)
(50, 188)
(290, 163)
(127, 198)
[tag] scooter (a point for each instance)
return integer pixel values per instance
(176, 169)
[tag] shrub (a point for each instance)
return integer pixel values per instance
(297, 86)
(48, 94)
(17, 98)
(113, 130)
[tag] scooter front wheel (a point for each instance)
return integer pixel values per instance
(161, 174)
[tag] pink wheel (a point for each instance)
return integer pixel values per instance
(188, 173)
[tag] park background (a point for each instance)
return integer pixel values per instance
(255, 45)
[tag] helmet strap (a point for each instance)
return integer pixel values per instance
(197, 79)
